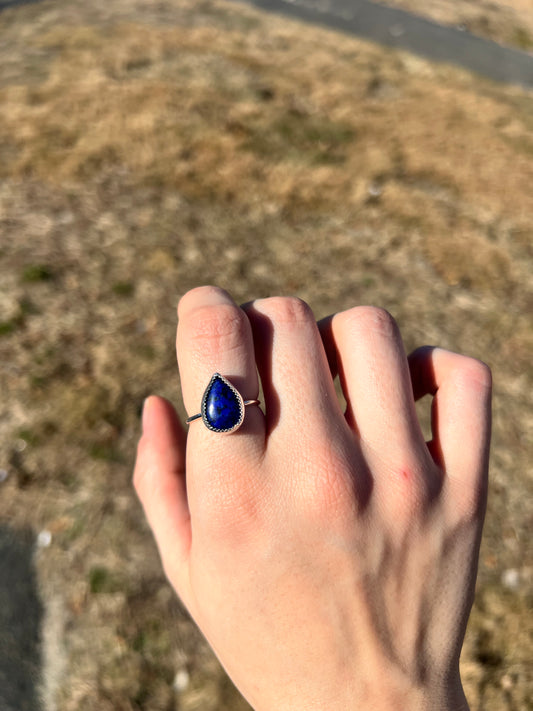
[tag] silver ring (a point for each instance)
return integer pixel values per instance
(222, 406)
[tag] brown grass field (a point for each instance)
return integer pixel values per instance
(148, 147)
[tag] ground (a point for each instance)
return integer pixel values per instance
(148, 147)
(509, 22)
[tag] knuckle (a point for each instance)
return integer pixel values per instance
(369, 319)
(287, 309)
(326, 491)
(477, 371)
(327, 498)
(469, 374)
(409, 502)
(216, 324)
(407, 486)
(231, 514)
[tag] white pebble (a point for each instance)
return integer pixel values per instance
(20, 445)
(181, 680)
(511, 578)
(374, 190)
(396, 30)
(3, 475)
(506, 682)
(44, 539)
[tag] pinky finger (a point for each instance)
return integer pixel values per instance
(461, 419)
(159, 479)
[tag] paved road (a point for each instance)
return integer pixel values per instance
(397, 28)
(12, 3)
(20, 622)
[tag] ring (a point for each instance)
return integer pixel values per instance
(222, 406)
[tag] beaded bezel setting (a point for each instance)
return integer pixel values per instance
(222, 406)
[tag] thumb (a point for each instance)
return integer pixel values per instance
(159, 479)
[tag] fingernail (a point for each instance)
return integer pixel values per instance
(145, 413)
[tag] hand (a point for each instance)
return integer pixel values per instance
(329, 558)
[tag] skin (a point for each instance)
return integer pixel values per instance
(328, 557)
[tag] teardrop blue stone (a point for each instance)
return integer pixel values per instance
(222, 407)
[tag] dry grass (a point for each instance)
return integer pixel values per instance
(147, 149)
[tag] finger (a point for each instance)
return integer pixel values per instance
(159, 479)
(214, 336)
(461, 418)
(299, 393)
(375, 379)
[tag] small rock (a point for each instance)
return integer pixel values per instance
(44, 539)
(511, 578)
(3, 475)
(181, 680)
(396, 30)
(20, 445)
(374, 190)
(506, 682)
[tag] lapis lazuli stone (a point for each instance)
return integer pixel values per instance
(222, 407)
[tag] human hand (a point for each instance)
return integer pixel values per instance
(329, 558)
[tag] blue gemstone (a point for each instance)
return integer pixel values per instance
(222, 406)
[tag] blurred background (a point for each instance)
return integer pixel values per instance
(147, 147)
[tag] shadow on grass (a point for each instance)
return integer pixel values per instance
(20, 623)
